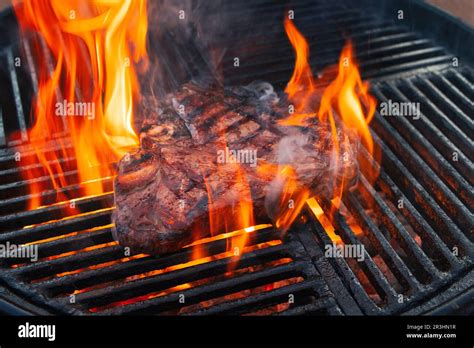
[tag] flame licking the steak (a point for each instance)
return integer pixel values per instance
(345, 106)
(238, 217)
(89, 92)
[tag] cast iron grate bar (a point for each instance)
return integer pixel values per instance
(349, 279)
(58, 228)
(168, 280)
(402, 56)
(443, 122)
(16, 92)
(323, 56)
(437, 139)
(446, 197)
(383, 247)
(437, 162)
(197, 294)
(141, 265)
(411, 214)
(3, 140)
(419, 197)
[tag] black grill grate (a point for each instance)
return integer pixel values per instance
(384, 45)
(410, 253)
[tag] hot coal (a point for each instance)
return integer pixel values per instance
(200, 143)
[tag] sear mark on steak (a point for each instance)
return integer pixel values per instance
(161, 191)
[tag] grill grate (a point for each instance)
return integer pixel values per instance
(408, 251)
(384, 46)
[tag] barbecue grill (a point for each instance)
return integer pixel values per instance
(418, 258)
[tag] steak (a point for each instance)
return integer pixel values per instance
(207, 149)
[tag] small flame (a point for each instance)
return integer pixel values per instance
(302, 77)
(91, 90)
(292, 195)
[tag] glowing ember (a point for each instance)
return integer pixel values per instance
(91, 90)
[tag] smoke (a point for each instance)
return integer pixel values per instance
(188, 40)
(310, 151)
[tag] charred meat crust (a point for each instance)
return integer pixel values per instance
(161, 190)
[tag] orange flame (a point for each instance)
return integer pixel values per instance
(91, 90)
(225, 218)
(345, 94)
(302, 77)
(292, 197)
(345, 106)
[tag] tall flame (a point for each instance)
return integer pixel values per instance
(345, 94)
(235, 217)
(94, 45)
(345, 106)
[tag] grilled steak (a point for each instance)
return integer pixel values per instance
(186, 164)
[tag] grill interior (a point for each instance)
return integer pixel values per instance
(416, 257)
